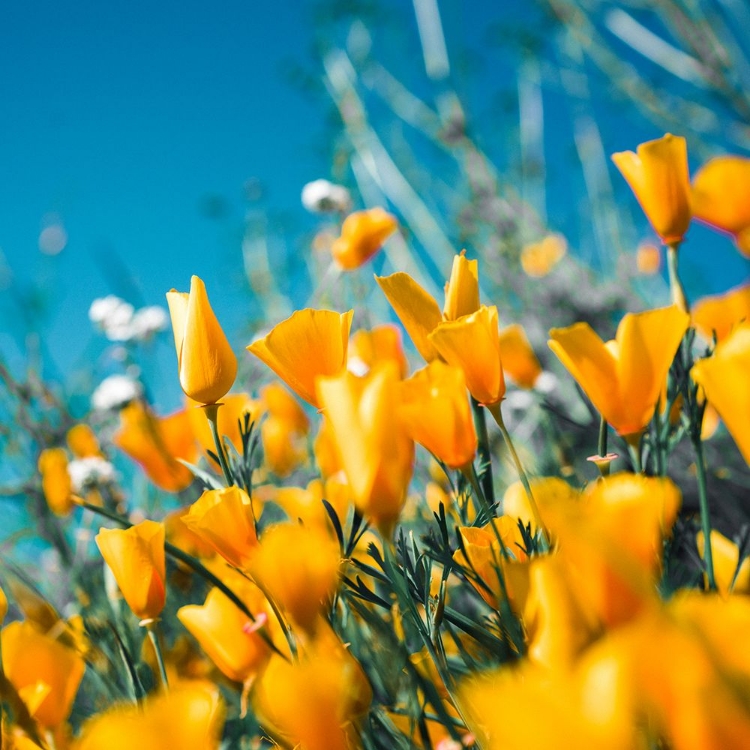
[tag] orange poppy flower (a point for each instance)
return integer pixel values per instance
(381, 343)
(362, 235)
(719, 314)
(57, 485)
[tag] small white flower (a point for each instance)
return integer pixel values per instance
(546, 382)
(148, 321)
(322, 197)
(92, 471)
(113, 316)
(114, 392)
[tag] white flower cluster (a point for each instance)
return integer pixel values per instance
(93, 471)
(120, 321)
(323, 197)
(114, 392)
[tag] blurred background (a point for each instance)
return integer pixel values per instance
(141, 143)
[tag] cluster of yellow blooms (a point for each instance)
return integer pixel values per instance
(559, 592)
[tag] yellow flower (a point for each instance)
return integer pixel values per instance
(224, 519)
(316, 702)
(462, 289)
(726, 558)
(190, 717)
(362, 235)
(227, 635)
(520, 364)
(623, 378)
(205, 359)
(45, 673)
(648, 259)
(278, 402)
(82, 441)
(56, 483)
(136, 558)
(178, 533)
(539, 258)
(283, 431)
(472, 343)
(309, 344)
(658, 175)
(376, 453)
(551, 494)
(298, 567)
(723, 377)
(306, 504)
(721, 197)
(437, 414)
(156, 442)
(381, 344)
(719, 314)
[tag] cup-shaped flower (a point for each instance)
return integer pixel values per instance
(205, 359)
(224, 519)
(721, 197)
(305, 346)
(623, 378)
(462, 289)
(381, 344)
(723, 377)
(57, 485)
(472, 343)
(44, 672)
(520, 364)
(82, 441)
(436, 411)
(298, 568)
(362, 235)
(227, 635)
(658, 175)
(156, 443)
(719, 314)
(136, 558)
(375, 450)
(190, 716)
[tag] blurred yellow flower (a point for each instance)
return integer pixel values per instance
(136, 558)
(178, 534)
(539, 258)
(726, 559)
(156, 442)
(57, 485)
(520, 364)
(283, 431)
(189, 717)
(436, 411)
(205, 359)
(723, 377)
(278, 402)
(375, 450)
(551, 494)
(82, 441)
(326, 452)
(721, 197)
(45, 673)
(224, 519)
(648, 259)
(305, 504)
(227, 635)
(362, 235)
(305, 346)
(719, 314)
(380, 344)
(658, 175)
(623, 378)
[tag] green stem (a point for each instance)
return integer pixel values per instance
(212, 414)
(485, 457)
(675, 285)
(603, 434)
(152, 630)
(704, 510)
(635, 456)
(195, 565)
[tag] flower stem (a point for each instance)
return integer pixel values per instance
(675, 285)
(485, 457)
(153, 633)
(212, 412)
(704, 510)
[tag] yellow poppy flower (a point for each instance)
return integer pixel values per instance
(437, 414)
(205, 359)
(520, 364)
(658, 175)
(723, 377)
(726, 558)
(648, 259)
(462, 289)
(719, 314)
(136, 558)
(362, 235)
(721, 197)
(57, 485)
(381, 343)
(623, 378)
(539, 258)
(376, 453)
(305, 346)
(82, 441)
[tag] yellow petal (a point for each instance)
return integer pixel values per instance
(462, 290)
(519, 361)
(726, 557)
(305, 346)
(82, 441)
(658, 175)
(381, 344)
(416, 309)
(178, 310)
(362, 235)
(720, 313)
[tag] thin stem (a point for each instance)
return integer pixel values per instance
(153, 634)
(603, 437)
(485, 457)
(471, 474)
(675, 285)
(212, 414)
(635, 456)
(708, 557)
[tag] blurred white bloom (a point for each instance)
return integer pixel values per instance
(87, 472)
(546, 382)
(322, 197)
(357, 367)
(53, 239)
(112, 315)
(519, 400)
(148, 321)
(114, 392)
